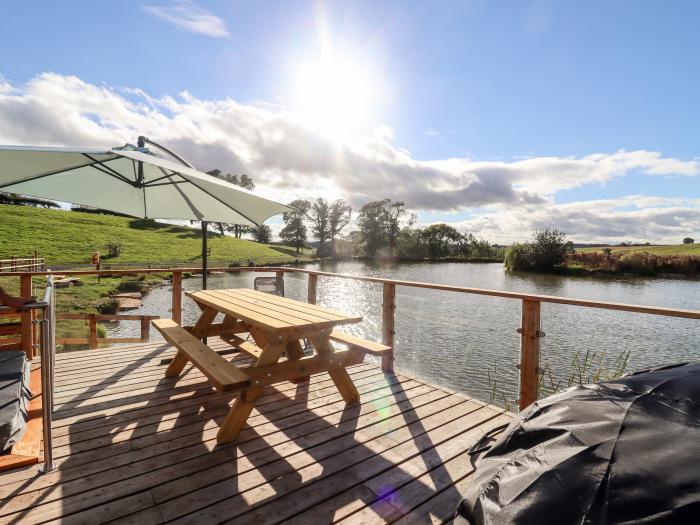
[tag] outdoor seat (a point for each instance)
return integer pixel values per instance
(223, 375)
(358, 343)
(272, 285)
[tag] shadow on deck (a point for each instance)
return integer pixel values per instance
(134, 447)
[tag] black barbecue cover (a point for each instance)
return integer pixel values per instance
(622, 451)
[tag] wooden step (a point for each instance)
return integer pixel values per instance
(353, 341)
(225, 376)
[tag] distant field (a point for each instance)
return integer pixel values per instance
(667, 249)
(66, 237)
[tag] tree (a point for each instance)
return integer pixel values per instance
(338, 218)
(379, 222)
(244, 181)
(688, 240)
(394, 212)
(262, 233)
(294, 231)
(439, 238)
(371, 221)
(319, 216)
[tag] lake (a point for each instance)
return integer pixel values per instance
(469, 342)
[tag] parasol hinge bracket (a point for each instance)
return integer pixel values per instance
(538, 333)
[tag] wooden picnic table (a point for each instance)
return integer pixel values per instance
(277, 325)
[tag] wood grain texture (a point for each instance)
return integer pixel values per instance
(133, 448)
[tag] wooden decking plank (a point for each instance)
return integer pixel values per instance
(153, 378)
(136, 449)
(209, 425)
(329, 436)
(150, 478)
(441, 507)
(283, 397)
(79, 472)
(274, 396)
(314, 498)
(102, 464)
(92, 428)
(413, 483)
(356, 448)
(183, 425)
(126, 417)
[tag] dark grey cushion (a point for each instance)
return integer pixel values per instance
(14, 397)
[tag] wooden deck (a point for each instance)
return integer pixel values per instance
(135, 447)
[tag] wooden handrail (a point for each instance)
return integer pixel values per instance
(529, 330)
(653, 310)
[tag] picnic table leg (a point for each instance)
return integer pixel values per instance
(337, 371)
(199, 329)
(245, 402)
(294, 353)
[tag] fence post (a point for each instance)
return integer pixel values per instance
(145, 329)
(313, 283)
(92, 340)
(177, 297)
(529, 352)
(26, 317)
(388, 308)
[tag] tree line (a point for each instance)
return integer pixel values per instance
(384, 229)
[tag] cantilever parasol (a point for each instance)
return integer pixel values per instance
(135, 181)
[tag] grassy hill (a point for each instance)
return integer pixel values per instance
(66, 237)
(666, 249)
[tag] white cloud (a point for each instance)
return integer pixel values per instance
(288, 159)
(190, 17)
(634, 218)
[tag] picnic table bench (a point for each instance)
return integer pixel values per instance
(277, 325)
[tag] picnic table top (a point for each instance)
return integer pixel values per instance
(271, 312)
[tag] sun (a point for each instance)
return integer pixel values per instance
(335, 96)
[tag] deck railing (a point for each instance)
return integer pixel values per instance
(529, 329)
(22, 264)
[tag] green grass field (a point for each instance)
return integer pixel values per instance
(667, 249)
(65, 237)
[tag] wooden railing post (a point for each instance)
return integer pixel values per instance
(313, 283)
(92, 339)
(27, 317)
(388, 309)
(145, 329)
(529, 352)
(177, 297)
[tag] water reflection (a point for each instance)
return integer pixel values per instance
(455, 339)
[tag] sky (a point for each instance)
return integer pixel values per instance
(499, 118)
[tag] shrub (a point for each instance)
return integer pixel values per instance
(688, 240)
(131, 286)
(639, 263)
(114, 249)
(110, 307)
(547, 251)
(518, 257)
